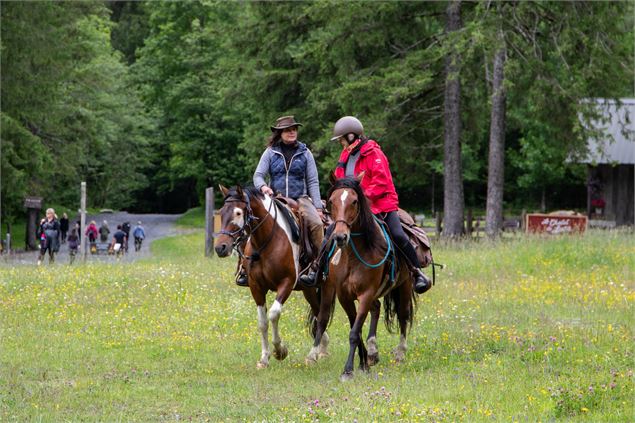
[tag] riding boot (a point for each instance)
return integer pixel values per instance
(421, 282)
(309, 279)
(241, 279)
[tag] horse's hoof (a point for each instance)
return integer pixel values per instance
(400, 356)
(261, 365)
(310, 361)
(323, 354)
(281, 353)
(346, 376)
(373, 359)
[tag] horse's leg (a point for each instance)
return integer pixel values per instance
(311, 296)
(356, 318)
(321, 340)
(404, 313)
(263, 326)
(373, 352)
(280, 351)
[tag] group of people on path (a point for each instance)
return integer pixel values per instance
(53, 232)
(289, 166)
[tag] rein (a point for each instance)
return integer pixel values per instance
(390, 249)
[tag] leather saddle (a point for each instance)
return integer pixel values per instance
(299, 228)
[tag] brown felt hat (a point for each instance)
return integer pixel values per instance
(285, 122)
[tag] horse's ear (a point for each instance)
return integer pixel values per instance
(332, 178)
(223, 190)
(359, 177)
(239, 190)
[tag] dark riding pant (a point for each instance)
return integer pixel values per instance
(400, 238)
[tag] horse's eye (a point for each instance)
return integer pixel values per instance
(355, 202)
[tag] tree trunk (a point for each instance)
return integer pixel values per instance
(543, 200)
(496, 159)
(453, 201)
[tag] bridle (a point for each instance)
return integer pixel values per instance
(349, 225)
(241, 234)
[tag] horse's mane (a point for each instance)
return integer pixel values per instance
(251, 191)
(371, 236)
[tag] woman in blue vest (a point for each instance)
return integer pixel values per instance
(290, 168)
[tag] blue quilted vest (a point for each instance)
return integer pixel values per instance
(289, 182)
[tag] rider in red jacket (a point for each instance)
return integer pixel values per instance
(377, 182)
(361, 154)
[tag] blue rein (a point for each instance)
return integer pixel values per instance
(388, 250)
(359, 257)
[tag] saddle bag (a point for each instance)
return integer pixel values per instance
(418, 238)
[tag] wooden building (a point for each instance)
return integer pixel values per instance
(611, 164)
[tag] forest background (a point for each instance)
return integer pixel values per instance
(152, 102)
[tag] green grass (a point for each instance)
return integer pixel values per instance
(193, 218)
(534, 329)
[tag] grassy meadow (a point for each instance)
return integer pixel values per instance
(533, 329)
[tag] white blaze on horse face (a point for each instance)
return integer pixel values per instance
(239, 218)
(344, 196)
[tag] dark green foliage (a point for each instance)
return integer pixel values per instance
(69, 111)
(151, 102)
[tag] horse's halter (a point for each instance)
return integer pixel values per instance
(240, 234)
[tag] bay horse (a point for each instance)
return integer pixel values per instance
(271, 259)
(361, 270)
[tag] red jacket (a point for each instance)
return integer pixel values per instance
(377, 183)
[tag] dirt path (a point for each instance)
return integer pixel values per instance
(156, 226)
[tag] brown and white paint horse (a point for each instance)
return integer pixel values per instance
(271, 259)
(351, 280)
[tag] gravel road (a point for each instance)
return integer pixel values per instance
(156, 226)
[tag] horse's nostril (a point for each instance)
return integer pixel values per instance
(221, 249)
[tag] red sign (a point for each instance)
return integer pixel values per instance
(555, 223)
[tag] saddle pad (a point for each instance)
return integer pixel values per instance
(290, 218)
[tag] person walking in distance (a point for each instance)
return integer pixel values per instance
(118, 241)
(49, 236)
(139, 235)
(73, 244)
(104, 231)
(64, 226)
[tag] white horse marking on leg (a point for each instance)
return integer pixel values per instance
(274, 316)
(263, 325)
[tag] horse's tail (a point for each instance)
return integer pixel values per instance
(393, 303)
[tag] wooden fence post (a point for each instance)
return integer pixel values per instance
(82, 222)
(209, 222)
(469, 223)
(438, 224)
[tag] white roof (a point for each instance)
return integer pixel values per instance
(616, 141)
